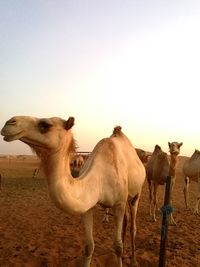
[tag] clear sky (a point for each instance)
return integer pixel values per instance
(134, 63)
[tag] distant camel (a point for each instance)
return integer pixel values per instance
(35, 172)
(77, 162)
(191, 171)
(111, 174)
(157, 169)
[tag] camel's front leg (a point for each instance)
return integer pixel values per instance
(186, 192)
(119, 211)
(89, 241)
(171, 218)
(196, 207)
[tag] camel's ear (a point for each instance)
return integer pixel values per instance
(180, 144)
(169, 144)
(69, 123)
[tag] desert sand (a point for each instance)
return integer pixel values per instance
(34, 233)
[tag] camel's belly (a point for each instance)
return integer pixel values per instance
(135, 183)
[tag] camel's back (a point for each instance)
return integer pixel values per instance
(191, 168)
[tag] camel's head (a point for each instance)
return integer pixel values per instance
(40, 134)
(174, 147)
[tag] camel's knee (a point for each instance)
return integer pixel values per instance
(118, 247)
(88, 250)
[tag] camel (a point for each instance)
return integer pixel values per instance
(157, 169)
(76, 164)
(112, 172)
(191, 171)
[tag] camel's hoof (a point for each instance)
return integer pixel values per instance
(173, 224)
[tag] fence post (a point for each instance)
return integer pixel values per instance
(166, 210)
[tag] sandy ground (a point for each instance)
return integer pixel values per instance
(33, 232)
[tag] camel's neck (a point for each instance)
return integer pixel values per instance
(70, 194)
(173, 163)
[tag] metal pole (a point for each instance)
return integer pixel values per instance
(166, 210)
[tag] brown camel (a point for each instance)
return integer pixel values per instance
(111, 174)
(191, 171)
(158, 168)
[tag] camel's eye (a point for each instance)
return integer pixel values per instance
(44, 126)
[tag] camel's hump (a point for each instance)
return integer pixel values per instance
(117, 130)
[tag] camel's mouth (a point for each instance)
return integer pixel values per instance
(12, 137)
(174, 152)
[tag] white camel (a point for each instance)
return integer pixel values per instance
(191, 171)
(112, 173)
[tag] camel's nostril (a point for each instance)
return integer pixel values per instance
(11, 121)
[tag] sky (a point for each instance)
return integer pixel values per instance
(134, 63)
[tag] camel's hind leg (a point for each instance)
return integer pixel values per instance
(125, 224)
(89, 241)
(119, 212)
(186, 192)
(133, 205)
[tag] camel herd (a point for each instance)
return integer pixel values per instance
(112, 176)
